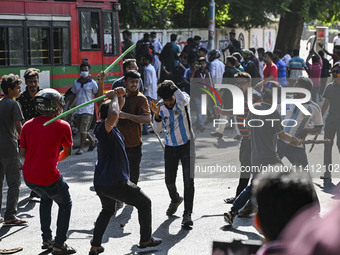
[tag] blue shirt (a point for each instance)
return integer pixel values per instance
(282, 72)
(112, 166)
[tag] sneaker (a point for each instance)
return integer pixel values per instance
(173, 207)
(229, 217)
(216, 134)
(80, 152)
(99, 250)
(187, 221)
(154, 241)
(246, 211)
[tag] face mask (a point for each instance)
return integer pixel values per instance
(153, 39)
(84, 74)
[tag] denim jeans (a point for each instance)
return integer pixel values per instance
(134, 155)
(296, 156)
(332, 127)
(245, 160)
(172, 155)
(59, 193)
(11, 169)
(130, 194)
(245, 195)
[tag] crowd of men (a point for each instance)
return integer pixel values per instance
(174, 78)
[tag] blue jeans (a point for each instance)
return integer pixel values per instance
(57, 192)
(296, 156)
(172, 156)
(245, 195)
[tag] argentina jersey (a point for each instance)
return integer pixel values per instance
(295, 121)
(175, 121)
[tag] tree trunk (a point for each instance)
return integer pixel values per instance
(290, 31)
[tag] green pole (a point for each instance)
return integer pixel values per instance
(96, 99)
(74, 109)
(119, 58)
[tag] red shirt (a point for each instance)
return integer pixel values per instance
(270, 69)
(42, 146)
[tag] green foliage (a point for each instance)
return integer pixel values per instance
(243, 13)
(148, 13)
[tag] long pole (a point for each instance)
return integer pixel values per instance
(96, 99)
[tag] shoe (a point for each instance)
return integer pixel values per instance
(187, 221)
(154, 241)
(119, 205)
(173, 207)
(80, 152)
(216, 134)
(229, 217)
(92, 147)
(64, 249)
(246, 211)
(47, 244)
(99, 250)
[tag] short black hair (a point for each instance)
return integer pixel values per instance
(242, 75)
(9, 82)
(231, 60)
(296, 52)
(304, 82)
(315, 59)
(270, 54)
(173, 37)
(148, 56)
(278, 53)
(203, 49)
(279, 197)
(197, 37)
(31, 72)
(260, 50)
(127, 32)
(128, 62)
(153, 33)
(164, 91)
(104, 109)
(253, 50)
(84, 64)
(132, 74)
(190, 40)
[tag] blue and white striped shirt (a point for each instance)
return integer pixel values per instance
(175, 120)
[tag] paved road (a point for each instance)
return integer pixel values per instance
(122, 235)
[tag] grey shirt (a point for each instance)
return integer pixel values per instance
(10, 112)
(264, 137)
(332, 93)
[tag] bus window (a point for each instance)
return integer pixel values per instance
(111, 34)
(11, 46)
(61, 46)
(89, 30)
(39, 46)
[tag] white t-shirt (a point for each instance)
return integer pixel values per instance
(336, 41)
(150, 82)
(217, 69)
(84, 93)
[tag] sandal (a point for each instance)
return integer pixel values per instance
(47, 244)
(92, 147)
(10, 251)
(64, 249)
(14, 222)
(154, 241)
(99, 250)
(229, 200)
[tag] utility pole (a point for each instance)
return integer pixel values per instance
(211, 44)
